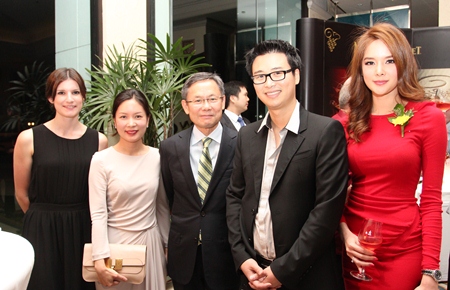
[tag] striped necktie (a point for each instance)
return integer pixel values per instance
(204, 169)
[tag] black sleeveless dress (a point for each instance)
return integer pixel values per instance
(58, 222)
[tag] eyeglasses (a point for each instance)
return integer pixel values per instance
(199, 102)
(275, 76)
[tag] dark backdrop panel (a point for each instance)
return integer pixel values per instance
(310, 43)
(325, 48)
(431, 46)
(216, 54)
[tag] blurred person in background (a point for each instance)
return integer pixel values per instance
(236, 103)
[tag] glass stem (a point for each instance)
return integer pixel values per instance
(363, 272)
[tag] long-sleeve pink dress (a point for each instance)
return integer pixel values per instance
(129, 206)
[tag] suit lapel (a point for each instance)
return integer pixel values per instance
(183, 151)
(227, 122)
(290, 146)
(258, 150)
(225, 157)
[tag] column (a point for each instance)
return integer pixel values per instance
(72, 35)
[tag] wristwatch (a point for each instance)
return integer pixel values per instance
(436, 274)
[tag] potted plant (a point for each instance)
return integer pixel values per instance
(27, 106)
(160, 78)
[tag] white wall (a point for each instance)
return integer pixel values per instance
(123, 22)
(444, 12)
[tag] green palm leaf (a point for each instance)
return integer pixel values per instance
(160, 79)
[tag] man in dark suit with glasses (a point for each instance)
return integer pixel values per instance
(289, 182)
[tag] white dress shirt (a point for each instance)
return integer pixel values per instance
(196, 147)
(234, 119)
(263, 231)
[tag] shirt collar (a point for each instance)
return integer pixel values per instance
(233, 117)
(294, 122)
(197, 136)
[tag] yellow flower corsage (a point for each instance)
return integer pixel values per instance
(401, 118)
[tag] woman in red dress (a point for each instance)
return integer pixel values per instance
(387, 155)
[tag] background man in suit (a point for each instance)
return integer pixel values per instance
(236, 102)
(199, 255)
(289, 181)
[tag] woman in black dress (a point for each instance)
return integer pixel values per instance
(51, 166)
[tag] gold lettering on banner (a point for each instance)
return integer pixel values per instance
(416, 50)
(332, 37)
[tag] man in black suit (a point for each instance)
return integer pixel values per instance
(199, 255)
(236, 102)
(289, 182)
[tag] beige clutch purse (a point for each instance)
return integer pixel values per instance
(127, 260)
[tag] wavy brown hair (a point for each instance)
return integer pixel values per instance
(408, 86)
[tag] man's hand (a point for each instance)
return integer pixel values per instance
(257, 277)
(270, 278)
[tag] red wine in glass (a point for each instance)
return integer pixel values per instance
(370, 238)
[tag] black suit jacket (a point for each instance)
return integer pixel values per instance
(226, 122)
(189, 215)
(306, 200)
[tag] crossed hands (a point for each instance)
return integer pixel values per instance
(259, 278)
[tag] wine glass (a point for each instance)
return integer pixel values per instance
(370, 238)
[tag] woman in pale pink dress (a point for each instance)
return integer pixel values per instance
(127, 199)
